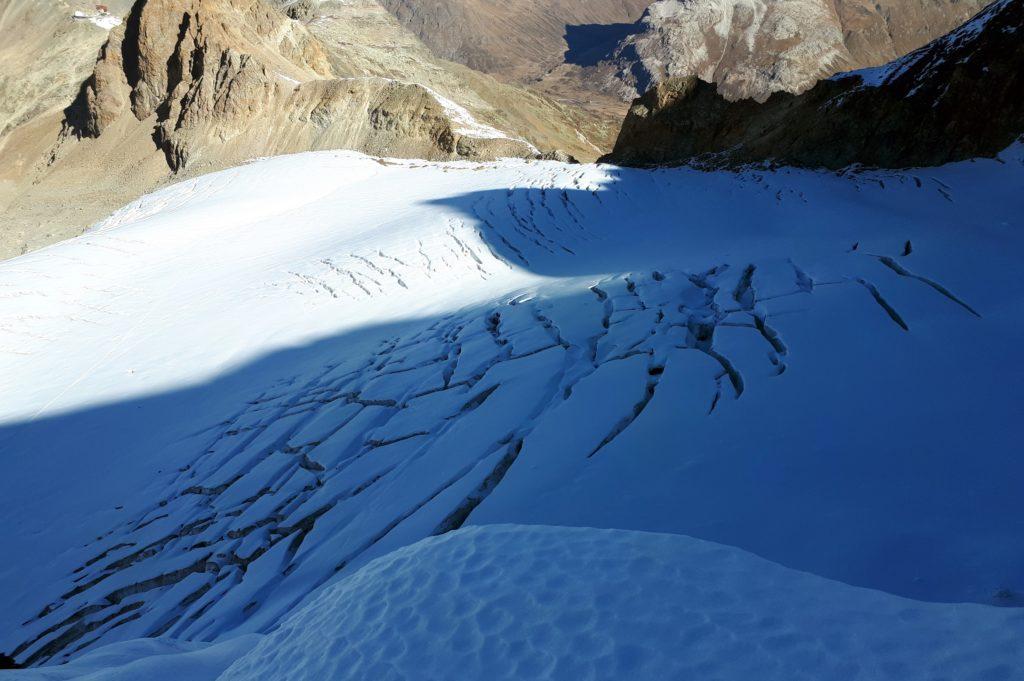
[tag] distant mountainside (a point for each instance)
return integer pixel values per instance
(192, 86)
(962, 96)
(529, 42)
(579, 51)
(519, 40)
(752, 48)
(597, 55)
(187, 87)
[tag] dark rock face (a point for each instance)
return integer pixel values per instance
(961, 96)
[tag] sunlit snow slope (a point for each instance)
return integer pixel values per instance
(246, 386)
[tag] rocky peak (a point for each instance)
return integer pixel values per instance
(188, 61)
(207, 72)
(175, 43)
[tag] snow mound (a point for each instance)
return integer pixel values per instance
(519, 602)
(149, 659)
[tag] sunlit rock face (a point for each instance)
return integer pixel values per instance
(753, 48)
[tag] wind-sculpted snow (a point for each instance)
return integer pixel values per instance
(527, 602)
(289, 369)
(150, 659)
(507, 602)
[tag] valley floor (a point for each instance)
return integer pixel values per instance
(273, 375)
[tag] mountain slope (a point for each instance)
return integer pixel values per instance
(517, 40)
(44, 58)
(363, 39)
(958, 97)
(185, 88)
(274, 374)
(596, 55)
(214, 73)
(44, 33)
(528, 43)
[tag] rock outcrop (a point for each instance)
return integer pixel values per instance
(214, 73)
(753, 48)
(191, 86)
(962, 96)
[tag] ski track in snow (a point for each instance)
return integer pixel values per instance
(315, 472)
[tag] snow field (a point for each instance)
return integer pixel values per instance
(289, 369)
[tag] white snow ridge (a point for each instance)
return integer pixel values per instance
(328, 416)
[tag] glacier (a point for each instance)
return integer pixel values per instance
(240, 396)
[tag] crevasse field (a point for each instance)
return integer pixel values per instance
(328, 416)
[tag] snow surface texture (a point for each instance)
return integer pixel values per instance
(148, 659)
(534, 602)
(517, 602)
(272, 375)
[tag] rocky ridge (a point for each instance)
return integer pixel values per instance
(210, 73)
(959, 97)
(182, 88)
